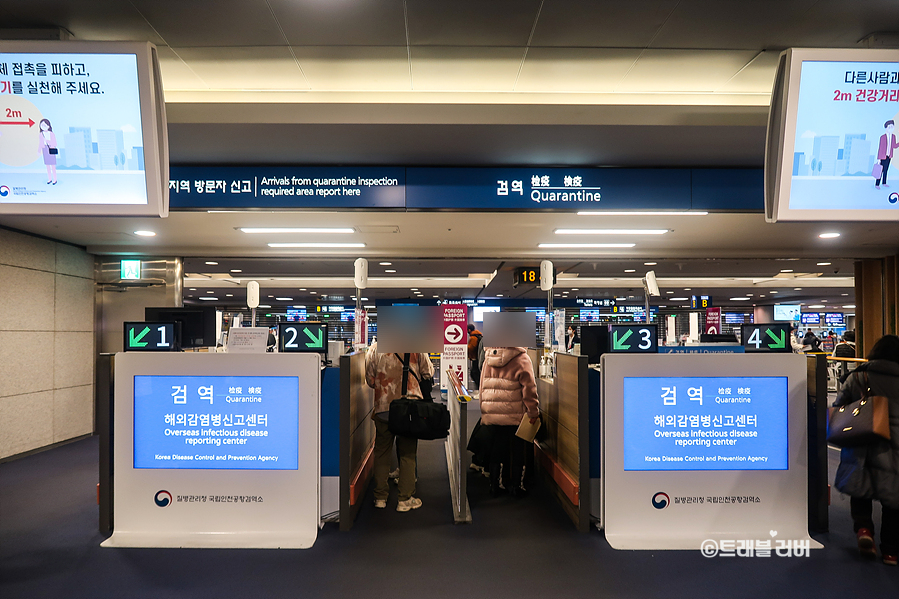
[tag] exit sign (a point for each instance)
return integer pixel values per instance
(130, 270)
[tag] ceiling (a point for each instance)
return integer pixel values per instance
(507, 82)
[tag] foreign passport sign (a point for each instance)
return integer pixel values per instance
(152, 336)
(455, 343)
(766, 337)
(634, 339)
(705, 423)
(303, 338)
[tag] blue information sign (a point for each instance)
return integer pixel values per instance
(216, 422)
(705, 423)
(286, 187)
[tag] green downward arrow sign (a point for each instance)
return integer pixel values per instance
(316, 341)
(136, 341)
(779, 343)
(618, 344)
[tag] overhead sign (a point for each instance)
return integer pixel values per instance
(702, 301)
(634, 339)
(414, 188)
(286, 187)
(152, 336)
(306, 337)
(766, 337)
(526, 275)
(130, 270)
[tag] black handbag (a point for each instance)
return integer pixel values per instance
(860, 423)
(417, 418)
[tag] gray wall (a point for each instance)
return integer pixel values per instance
(46, 342)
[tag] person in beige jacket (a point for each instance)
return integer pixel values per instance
(508, 392)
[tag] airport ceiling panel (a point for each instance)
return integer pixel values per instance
(665, 70)
(600, 23)
(97, 20)
(355, 68)
(251, 67)
(757, 77)
(471, 22)
(212, 22)
(575, 69)
(337, 23)
(465, 69)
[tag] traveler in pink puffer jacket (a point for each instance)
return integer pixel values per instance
(508, 390)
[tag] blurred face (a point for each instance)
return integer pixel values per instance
(890, 129)
(44, 126)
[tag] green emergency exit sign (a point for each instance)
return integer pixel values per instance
(130, 270)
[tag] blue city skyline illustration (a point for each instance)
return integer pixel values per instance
(838, 137)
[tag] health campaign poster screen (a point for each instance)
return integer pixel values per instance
(216, 422)
(70, 129)
(705, 423)
(845, 136)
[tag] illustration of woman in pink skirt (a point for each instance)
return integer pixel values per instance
(49, 150)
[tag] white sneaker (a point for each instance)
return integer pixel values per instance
(394, 476)
(413, 503)
(380, 503)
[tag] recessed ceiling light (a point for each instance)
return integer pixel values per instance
(413, 289)
(263, 306)
(210, 292)
(786, 270)
(739, 299)
(824, 263)
(344, 230)
(557, 246)
(557, 295)
(271, 296)
(284, 299)
(850, 306)
(499, 295)
(315, 244)
(611, 231)
(650, 263)
(797, 288)
(678, 299)
(829, 235)
(761, 295)
(208, 299)
(314, 292)
(229, 295)
(212, 263)
(630, 270)
(817, 306)
(687, 288)
(772, 292)
(389, 270)
(192, 289)
(647, 213)
(236, 270)
(669, 292)
(575, 289)
(386, 263)
(145, 233)
(844, 294)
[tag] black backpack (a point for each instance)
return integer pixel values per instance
(417, 418)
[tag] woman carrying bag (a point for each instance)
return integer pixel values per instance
(871, 472)
(508, 392)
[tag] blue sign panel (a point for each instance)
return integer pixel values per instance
(705, 423)
(285, 187)
(539, 188)
(216, 422)
(702, 349)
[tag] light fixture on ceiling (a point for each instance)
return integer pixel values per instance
(210, 292)
(845, 294)
(192, 289)
(772, 292)
(678, 299)
(639, 213)
(786, 270)
(650, 263)
(208, 299)
(575, 289)
(313, 292)
(315, 244)
(263, 306)
(850, 306)
(212, 263)
(610, 231)
(739, 299)
(797, 288)
(583, 246)
(499, 295)
(229, 295)
(236, 270)
(828, 235)
(816, 306)
(824, 263)
(389, 270)
(386, 263)
(630, 270)
(145, 233)
(669, 292)
(284, 299)
(341, 230)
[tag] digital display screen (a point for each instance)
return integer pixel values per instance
(786, 312)
(541, 314)
(296, 315)
(834, 319)
(589, 315)
(479, 311)
(70, 129)
(844, 127)
(811, 318)
(216, 422)
(705, 423)
(732, 318)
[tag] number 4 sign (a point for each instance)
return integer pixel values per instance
(766, 337)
